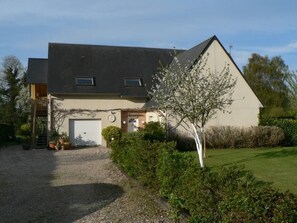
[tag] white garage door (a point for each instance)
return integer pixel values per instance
(85, 132)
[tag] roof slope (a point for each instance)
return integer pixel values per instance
(187, 58)
(37, 71)
(109, 65)
(195, 52)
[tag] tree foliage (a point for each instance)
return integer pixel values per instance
(191, 93)
(292, 86)
(14, 92)
(268, 78)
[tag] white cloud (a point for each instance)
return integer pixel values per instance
(289, 48)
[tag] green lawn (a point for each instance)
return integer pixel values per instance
(275, 165)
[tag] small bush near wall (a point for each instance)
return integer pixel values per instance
(209, 195)
(6, 132)
(153, 131)
(236, 137)
(24, 132)
(288, 125)
(111, 133)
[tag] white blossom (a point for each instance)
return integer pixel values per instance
(191, 93)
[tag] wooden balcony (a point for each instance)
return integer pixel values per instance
(38, 93)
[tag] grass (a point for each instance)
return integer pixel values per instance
(275, 165)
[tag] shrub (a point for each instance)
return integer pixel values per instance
(259, 204)
(153, 131)
(54, 136)
(288, 125)
(6, 132)
(232, 195)
(111, 133)
(170, 167)
(138, 157)
(236, 137)
(209, 195)
(25, 132)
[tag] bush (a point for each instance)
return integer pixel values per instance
(236, 137)
(25, 132)
(6, 132)
(111, 133)
(138, 157)
(288, 125)
(232, 195)
(170, 167)
(153, 131)
(208, 195)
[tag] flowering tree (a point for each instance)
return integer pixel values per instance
(192, 94)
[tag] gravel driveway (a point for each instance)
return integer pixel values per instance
(80, 185)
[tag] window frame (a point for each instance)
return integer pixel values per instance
(129, 80)
(85, 79)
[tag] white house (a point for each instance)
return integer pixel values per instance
(81, 89)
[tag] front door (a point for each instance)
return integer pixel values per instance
(133, 123)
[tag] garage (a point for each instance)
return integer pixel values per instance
(85, 132)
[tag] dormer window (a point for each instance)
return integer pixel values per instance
(84, 81)
(132, 82)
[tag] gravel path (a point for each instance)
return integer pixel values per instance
(80, 185)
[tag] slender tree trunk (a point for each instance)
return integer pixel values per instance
(204, 143)
(198, 146)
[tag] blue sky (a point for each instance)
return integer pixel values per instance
(267, 27)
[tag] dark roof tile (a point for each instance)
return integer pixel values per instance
(37, 71)
(108, 64)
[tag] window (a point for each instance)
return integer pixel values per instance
(84, 81)
(132, 82)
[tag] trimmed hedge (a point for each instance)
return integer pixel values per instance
(221, 195)
(237, 137)
(233, 137)
(7, 132)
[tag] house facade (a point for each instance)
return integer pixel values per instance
(81, 89)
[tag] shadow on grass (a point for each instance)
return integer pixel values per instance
(278, 154)
(286, 152)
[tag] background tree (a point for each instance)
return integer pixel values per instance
(12, 74)
(23, 104)
(292, 86)
(192, 94)
(268, 77)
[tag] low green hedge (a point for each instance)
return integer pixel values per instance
(221, 195)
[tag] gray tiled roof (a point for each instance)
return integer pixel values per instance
(188, 57)
(37, 71)
(108, 64)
